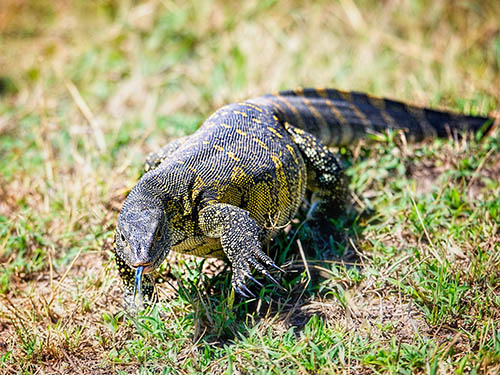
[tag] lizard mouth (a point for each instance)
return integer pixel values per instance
(144, 267)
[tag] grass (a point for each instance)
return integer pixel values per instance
(411, 284)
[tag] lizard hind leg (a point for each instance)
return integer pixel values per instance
(326, 181)
(326, 178)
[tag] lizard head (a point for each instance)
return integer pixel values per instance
(142, 236)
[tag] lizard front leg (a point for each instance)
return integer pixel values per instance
(241, 240)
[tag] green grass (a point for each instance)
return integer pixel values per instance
(410, 283)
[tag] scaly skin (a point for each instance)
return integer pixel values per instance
(220, 191)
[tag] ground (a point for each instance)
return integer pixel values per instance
(410, 283)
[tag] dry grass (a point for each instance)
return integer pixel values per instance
(89, 88)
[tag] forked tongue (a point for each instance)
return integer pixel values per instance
(138, 280)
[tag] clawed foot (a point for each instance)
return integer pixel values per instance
(242, 266)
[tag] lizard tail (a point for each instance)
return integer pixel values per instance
(340, 117)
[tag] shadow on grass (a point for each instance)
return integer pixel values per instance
(318, 268)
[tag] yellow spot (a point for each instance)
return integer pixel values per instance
(206, 142)
(299, 91)
(252, 106)
(192, 169)
(321, 91)
(232, 155)
(240, 113)
(226, 125)
(292, 152)
(275, 117)
(346, 95)
(261, 144)
(218, 148)
(256, 120)
(240, 132)
(274, 131)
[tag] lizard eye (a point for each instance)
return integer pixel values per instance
(158, 233)
(122, 237)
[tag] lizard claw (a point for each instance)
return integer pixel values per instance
(256, 260)
(240, 287)
(247, 291)
(278, 268)
(240, 272)
(241, 292)
(250, 277)
(273, 280)
(269, 262)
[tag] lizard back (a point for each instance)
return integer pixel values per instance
(245, 154)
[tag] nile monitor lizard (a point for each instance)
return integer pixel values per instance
(220, 191)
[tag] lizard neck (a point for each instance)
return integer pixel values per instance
(162, 187)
